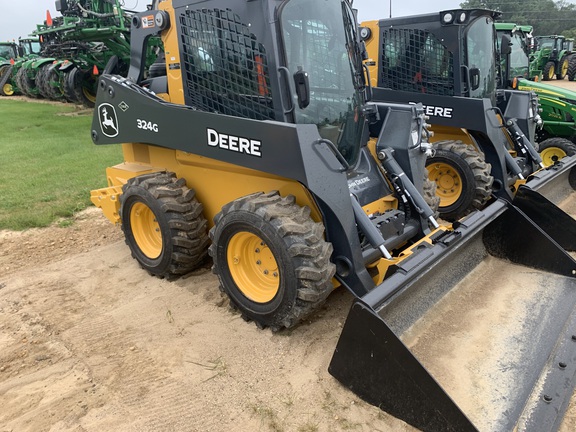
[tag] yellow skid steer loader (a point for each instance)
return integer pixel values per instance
(253, 139)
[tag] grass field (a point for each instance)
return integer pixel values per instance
(48, 163)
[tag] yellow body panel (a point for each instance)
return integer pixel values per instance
(442, 133)
(372, 48)
(170, 41)
(216, 183)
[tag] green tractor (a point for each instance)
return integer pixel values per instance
(8, 53)
(90, 37)
(552, 56)
(557, 136)
(27, 48)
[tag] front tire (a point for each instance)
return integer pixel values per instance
(554, 149)
(271, 259)
(163, 224)
(463, 180)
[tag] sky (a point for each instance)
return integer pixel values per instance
(19, 17)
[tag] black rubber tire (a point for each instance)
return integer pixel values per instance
(41, 80)
(83, 87)
(429, 194)
(67, 88)
(549, 71)
(7, 89)
(559, 74)
(26, 84)
(55, 87)
(572, 68)
(473, 171)
(550, 148)
(182, 226)
(298, 247)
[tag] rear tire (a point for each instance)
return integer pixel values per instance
(564, 64)
(7, 89)
(548, 73)
(554, 149)
(163, 224)
(271, 259)
(463, 180)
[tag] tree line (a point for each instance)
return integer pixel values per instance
(548, 17)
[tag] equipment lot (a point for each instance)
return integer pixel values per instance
(90, 342)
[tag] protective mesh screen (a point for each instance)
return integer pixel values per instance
(415, 61)
(225, 68)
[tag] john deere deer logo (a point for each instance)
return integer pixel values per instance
(108, 120)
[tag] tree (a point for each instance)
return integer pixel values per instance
(546, 16)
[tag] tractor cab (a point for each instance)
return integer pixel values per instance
(8, 50)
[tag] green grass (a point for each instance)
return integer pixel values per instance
(48, 163)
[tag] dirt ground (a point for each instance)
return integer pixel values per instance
(90, 342)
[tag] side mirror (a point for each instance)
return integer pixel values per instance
(302, 88)
(505, 45)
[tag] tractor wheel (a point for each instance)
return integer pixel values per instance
(163, 224)
(572, 68)
(41, 80)
(67, 89)
(564, 64)
(7, 89)
(271, 259)
(548, 73)
(83, 85)
(554, 149)
(54, 83)
(25, 83)
(462, 176)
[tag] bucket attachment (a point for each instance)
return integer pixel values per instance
(396, 350)
(555, 182)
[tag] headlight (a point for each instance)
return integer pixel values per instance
(448, 18)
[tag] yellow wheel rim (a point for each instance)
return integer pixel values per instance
(146, 230)
(552, 154)
(551, 72)
(8, 89)
(448, 183)
(253, 267)
(564, 67)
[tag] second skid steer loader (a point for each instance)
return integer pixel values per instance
(253, 145)
(483, 136)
